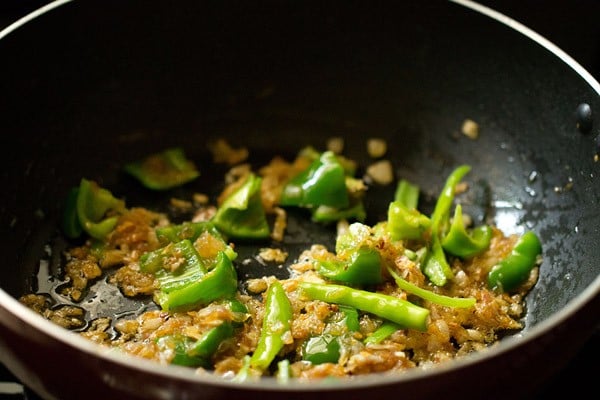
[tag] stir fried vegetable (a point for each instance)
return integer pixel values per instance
(410, 290)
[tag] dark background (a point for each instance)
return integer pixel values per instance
(573, 26)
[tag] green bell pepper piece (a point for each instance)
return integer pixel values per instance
(177, 264)
(323, 183)
(186, 230)
(350, 318)
(192, 231)
(93, 202)
(362, 268)
(460, 243)
(391, 308)
(321, 349)
(276, 323)
(332, 214)
(407, 193)
(209, 342)
(242, 215)
(179, 346)
(436, 266)
(70, 220)
(219, 283)
(165, 170)
(512, 271)
(386, 329)
(454, 302)
(406, 223)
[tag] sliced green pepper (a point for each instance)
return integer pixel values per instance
(406, 223)
(509, 273)
(454, 302)
(460, 243)
(350, 318)
(321, 349)
(407, 193)
(165, 170)
(363, 268)
(357, 261)
(242, 215)
(386, 329)
(436, 266)
(70, 220)
(208, 343)
(323, 183)
(391, 308)
(93, 202)
(176, 264)
(192, 231)
(276, 324)
(186, 230)
(219, 283)
(179, 346)
(332, 214)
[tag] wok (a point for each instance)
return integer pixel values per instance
(87, 86)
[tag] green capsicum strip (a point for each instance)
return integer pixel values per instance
(386, 329)
(407, 193)
(219, 283)
(209, 342)
(323, 183)
(460, 243)
(454, 302)
(404, 220)
(70, 220)
(332, 214)
(362, 268)
(186, 230)
(192, 231)
(436, 266)
(512, 271)
(179, 346)
(283, 373)
(93, 202)
(321, 349)
(406, 223)
(276, 324)
(242, 215)
(391, 308)
(165, 170)
(175, 265)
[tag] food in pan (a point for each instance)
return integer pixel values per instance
(413, 290)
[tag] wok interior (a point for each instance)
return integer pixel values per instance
(120, 81)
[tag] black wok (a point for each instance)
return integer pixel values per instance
(88, 85)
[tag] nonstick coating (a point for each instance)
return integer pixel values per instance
(90, 85)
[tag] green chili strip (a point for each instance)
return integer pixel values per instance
(93, 202)
(323, 183)
(460, 243)
(391, 308)
(70, 220)
(165, 170)
(436, 266)
(407, 194)
(363, 268)
(242, 215)
(383, 332)
(454, 302)
(509, 273)
(219, 283)
(276, 324)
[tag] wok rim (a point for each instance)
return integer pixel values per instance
(178, 373)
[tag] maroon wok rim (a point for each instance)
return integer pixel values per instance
(73, 340)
